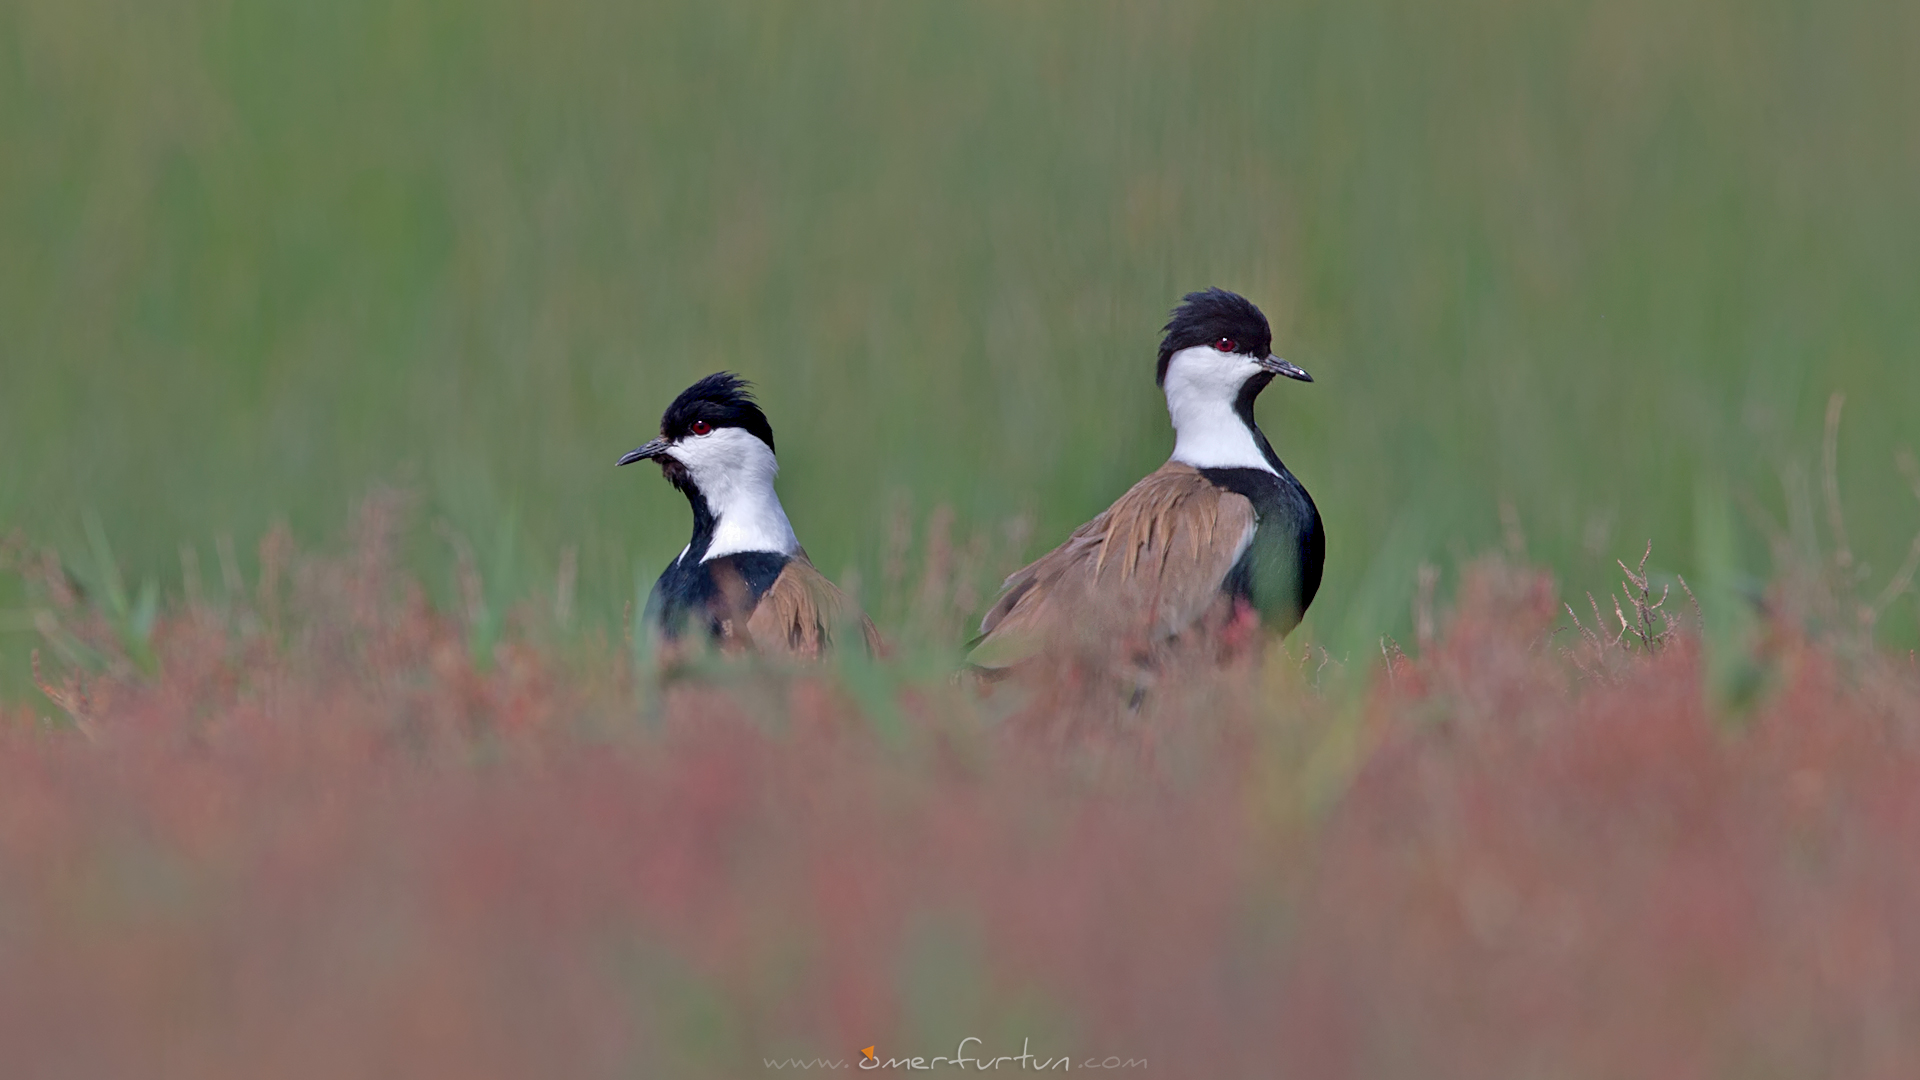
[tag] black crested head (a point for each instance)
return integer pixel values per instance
(720, 400)
(1207, 317)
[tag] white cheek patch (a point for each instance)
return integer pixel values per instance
(1201, 386)
(734, 472)
(725, 452)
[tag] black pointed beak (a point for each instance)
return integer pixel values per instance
(1281, 367)
(652, 451)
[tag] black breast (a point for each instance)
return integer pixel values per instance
(694, 594)
(1280, 571)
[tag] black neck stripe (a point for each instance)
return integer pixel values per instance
(1243, 408)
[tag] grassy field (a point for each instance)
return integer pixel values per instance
(1568, 257)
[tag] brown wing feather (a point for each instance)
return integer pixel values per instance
(1154, 561)
(799, 612)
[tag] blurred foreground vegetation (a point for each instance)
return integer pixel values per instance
(1586, 260)
(303, 831)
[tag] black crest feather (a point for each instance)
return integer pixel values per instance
(1207, 316)
(721, 399)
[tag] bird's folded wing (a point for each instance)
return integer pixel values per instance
(800, 611)
(1149, 565)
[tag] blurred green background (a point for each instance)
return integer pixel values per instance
(1569, 256)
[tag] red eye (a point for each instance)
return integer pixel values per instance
(1225, 344)
(700, 427)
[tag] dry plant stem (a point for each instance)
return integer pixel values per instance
(1390, 650)
(1645, 608)
(1600, 621)
(1586, 635)
(70, 697)
(1830, 478)
(1699, 617)
(1650, 625)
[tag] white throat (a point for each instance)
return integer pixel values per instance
(734, 472)
(1201, 386)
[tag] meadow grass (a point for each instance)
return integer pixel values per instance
(1579, 260)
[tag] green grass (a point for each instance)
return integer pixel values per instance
(1567, 256)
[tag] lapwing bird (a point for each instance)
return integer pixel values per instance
(743, 580)
(1220, 537)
